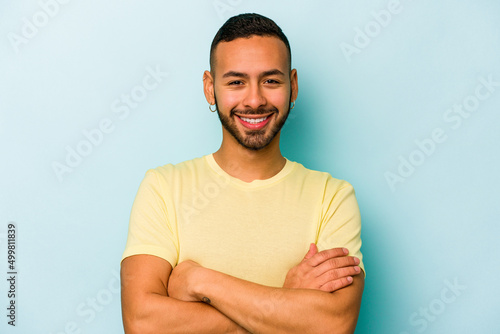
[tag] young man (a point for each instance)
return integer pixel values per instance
(244, 240)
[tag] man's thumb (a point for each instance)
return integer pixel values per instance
(312, 250)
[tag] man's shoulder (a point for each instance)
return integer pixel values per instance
(321, 177)
(180, 167)
(172, 172)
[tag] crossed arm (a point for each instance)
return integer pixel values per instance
(322, 294)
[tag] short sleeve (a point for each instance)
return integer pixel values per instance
(150, 230)
(341, 220)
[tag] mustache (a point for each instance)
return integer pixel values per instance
(251, 111)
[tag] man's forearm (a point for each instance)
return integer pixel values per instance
(146, 307)
(162, 314)
(262, 309)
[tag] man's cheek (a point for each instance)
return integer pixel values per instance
(279, 99)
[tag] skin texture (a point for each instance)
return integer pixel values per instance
(321, 294)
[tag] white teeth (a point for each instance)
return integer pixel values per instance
(254, 120)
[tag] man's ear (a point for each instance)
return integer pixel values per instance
(208, 87)
(294, 85)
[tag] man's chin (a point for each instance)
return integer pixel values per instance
(256, 144)
(256, 148)
(255, 140)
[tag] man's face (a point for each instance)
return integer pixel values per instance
(252, 87)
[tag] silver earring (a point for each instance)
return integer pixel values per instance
(210, 107)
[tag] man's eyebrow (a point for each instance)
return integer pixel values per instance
(235, 74)
(272, 72)
(244, 75)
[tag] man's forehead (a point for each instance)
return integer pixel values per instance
(255, 50)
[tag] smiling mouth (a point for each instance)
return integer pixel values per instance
(254, 120)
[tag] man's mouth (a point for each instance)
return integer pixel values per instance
(254, 122)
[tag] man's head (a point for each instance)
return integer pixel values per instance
(251, 81)
(245, 26)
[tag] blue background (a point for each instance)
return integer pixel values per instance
(359, 114)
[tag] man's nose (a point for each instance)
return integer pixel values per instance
(254, 98)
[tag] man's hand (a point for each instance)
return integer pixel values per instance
(179, 283)
(328, 270)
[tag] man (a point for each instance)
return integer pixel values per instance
(244, 240)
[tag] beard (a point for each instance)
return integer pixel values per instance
(253, 139)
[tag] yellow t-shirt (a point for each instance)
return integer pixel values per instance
(255, 231)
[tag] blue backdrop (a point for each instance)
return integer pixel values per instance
(400, 98)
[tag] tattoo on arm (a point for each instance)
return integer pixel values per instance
(206, 300)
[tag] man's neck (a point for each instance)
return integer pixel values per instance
(248, 165)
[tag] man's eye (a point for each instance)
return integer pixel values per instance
(236, 82)
(271, 81)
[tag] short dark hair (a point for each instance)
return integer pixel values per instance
(246, 26)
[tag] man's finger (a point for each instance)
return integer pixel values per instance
(334, 266)
(337, 284)
(338, 262)
(313, 249)
(326, 255)
(336, 274)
